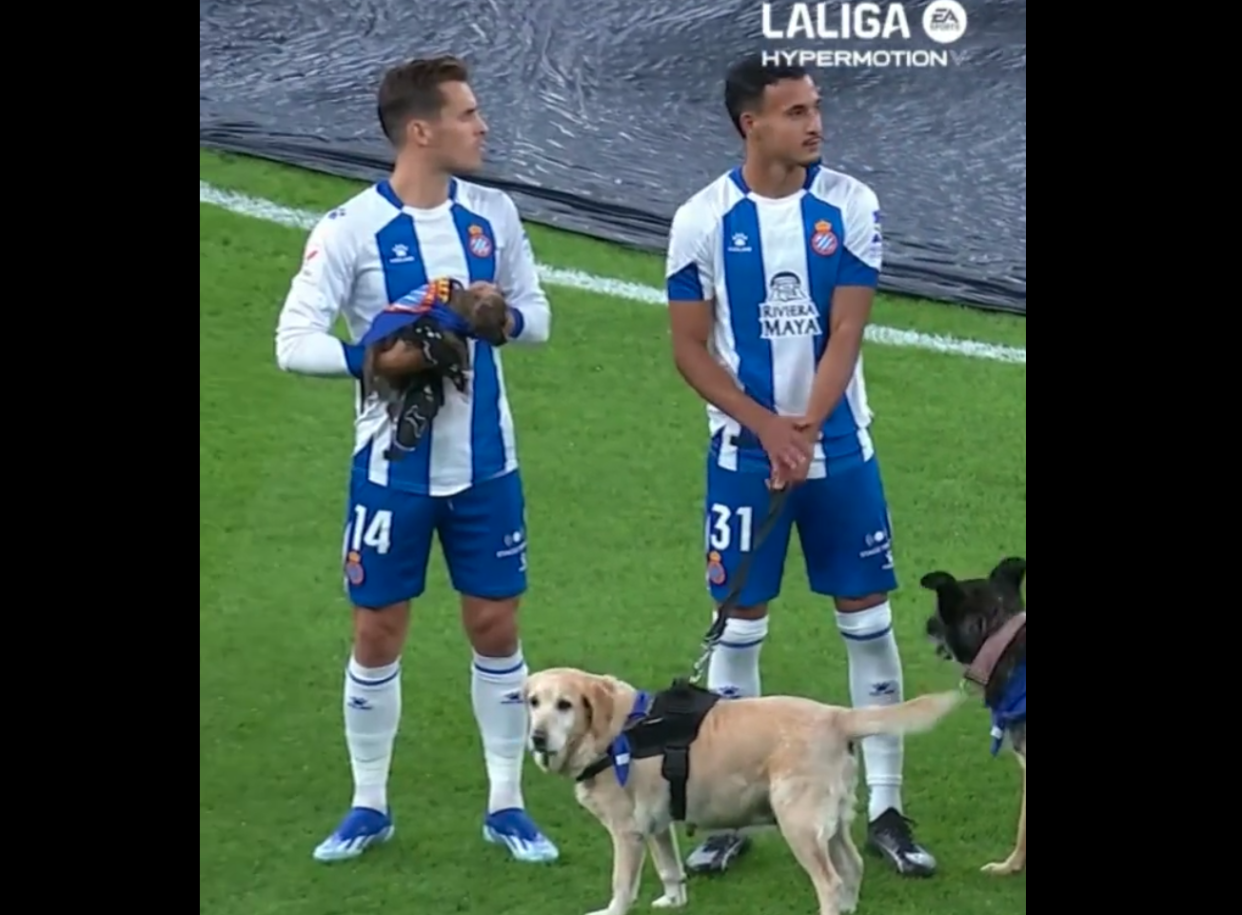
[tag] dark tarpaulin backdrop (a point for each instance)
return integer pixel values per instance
(606, 115)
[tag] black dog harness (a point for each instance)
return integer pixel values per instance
(669, 723)
(664, 725)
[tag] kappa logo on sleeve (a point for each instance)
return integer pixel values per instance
(876, 248)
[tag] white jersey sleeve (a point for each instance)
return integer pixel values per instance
(321, 288)
(518, 278)
(863, 240)
(688, 272)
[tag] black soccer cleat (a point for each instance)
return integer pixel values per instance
(716, 854)
(891, 836)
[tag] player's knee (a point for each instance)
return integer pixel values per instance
(379, 635)
(491, 625)
(859, 604)
(755, 612)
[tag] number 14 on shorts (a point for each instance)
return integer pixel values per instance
(725, 526)
(374, 532)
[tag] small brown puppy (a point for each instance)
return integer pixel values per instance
(418, 343)
(776, 761)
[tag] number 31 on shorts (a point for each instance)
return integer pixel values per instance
(374, 532)
(723, 524)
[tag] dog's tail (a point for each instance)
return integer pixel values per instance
(921, 714)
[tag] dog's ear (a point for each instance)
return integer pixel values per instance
(949, 593)
(599, 702)
(1009, 573)
(940, 582)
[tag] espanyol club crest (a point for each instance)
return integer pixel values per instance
(824, 241)
(353, 569)
(480, 244)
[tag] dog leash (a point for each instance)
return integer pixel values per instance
(715, 632)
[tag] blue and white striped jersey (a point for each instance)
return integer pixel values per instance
(770, 267)
(370, 252)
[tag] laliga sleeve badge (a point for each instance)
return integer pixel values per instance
(715, 569)
(824, 241)
(353, 568)
(309, 264)
(480, 245)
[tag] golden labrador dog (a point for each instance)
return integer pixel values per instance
(776, 761)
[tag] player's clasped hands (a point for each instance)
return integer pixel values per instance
(789, 443)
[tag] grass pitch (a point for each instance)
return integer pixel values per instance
(612, 446)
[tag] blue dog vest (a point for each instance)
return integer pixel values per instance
(1010, 708)
(619, 750)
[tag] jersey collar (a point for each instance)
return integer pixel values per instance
(736, 177)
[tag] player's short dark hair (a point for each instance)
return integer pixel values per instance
(412, 90)
(746, 81)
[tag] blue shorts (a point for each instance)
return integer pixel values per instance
(843, 525)
(388, 540)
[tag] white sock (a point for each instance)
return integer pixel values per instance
(876, 679)
(372, 714)
(498, 707)
(733, 671)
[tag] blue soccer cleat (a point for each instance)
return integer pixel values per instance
(361, 828)
(516, 831)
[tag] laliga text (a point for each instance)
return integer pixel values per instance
(882, 58)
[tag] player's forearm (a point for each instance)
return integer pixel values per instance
(832, 375)
(715, 385)
(319, 354)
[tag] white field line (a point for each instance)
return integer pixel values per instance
(258, 208)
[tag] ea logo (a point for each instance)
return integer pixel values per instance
(944, 21)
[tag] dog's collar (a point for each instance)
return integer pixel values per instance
(618, 755)
(1010, 707)
(981, 669)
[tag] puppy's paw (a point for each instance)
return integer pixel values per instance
(1002, 868)
(674, 900)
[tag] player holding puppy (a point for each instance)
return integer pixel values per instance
(461, 480)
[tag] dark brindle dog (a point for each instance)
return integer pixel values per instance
(981, 624)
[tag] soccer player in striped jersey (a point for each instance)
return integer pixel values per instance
(771, 273)
(462, 481)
